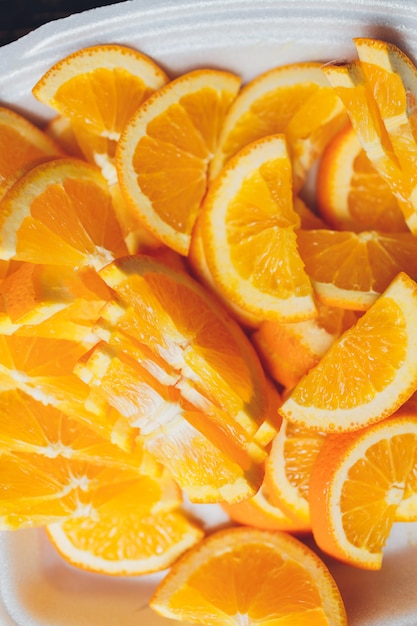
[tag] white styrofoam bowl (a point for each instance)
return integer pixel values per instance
(37, 588)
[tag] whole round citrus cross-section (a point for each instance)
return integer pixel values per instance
(358, 482)
(248, 228)
(164, 152)
(368, 373)
(250, 576)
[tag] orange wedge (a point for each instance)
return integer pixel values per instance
(293, 99)
(129, 544)
(262, 511)
(22, 145)
(39, 490)
(31, 364)
(355, 383)
(357, 484)
(98, 88)
(357, 94)
(248, 226)
(164, 152)
(351, 195)
(258, 575)
(61, 213)
(205, 461)
(52, 301)
(349, 269)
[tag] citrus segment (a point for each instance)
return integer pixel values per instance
(248, 229)
(351, 270)
(60, 212)
(356, 383)
(163, 155)
(357, 483)
(351, 195)
(253, 576)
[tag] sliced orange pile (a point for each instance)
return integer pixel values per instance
(176, 319)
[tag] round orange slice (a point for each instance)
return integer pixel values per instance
(368, 373)
(164, 152)
(258, 575)
(357, 484)
(248, 229)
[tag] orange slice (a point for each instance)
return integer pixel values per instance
(204, 460)
(290, 350)
(293, 99)
(163, 155)
(351, 270)
(258, 575)
(39, 490)
(22, 145)
(351, 85)
(125, 545)
(384, 64)
(262, 511)
(288, 468)
(98, 89)
(61, 212)
(52, 301)
(248, 231)
(351, 195)
(356, 383)
(43, 368)
(45, 431)
(357, 483)
(185, 326)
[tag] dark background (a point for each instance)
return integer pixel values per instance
(18, 17)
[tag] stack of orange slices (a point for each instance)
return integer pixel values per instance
(178, 323)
